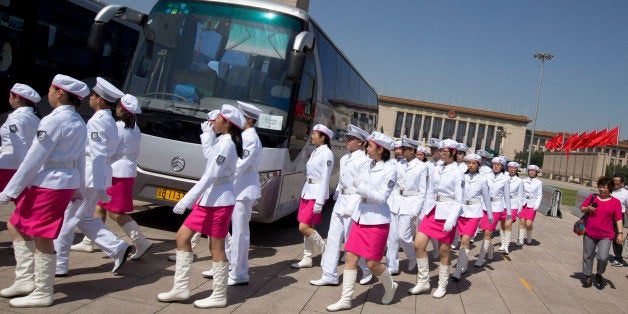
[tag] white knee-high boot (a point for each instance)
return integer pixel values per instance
(45, 266)
(218, 298)
(180, 289)
(482, 254)
(390, 287)
(195, 240)
(24, 271)
(86, 245)
(348, 287)
(490, 250)
(522, 235)
(501, 237)
(318, 242)
(529, 237)
(461, 265)
(142, 245)
(443, 277)
(507, 235)
(306, 261)
(422, 276)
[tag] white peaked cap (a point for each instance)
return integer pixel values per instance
(483, 153)
(422, 149)
(448, 143)
(249, 110)
(325, 130)
(406, 142)
(433, 143)
(106, 90)
(357, 132)
(381, 139)
(213, 115)
(499, 160)
(534, 167)
(70, 85)
(26, 92)
(473, 157)
(233, 115)
(514, 164)
(463, 147)
(130, 103)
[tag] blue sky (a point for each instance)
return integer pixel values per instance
(479, 54)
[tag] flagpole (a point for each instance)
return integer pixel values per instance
(616, 150)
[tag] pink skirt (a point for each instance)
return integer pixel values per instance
(527, 213)
(433, 228)
(211, 221)
(368, 241)
(467, 226)
(39, 211)
(514, 212)
(306, 213)
(497, 216)
(121, 192)
(5, 177)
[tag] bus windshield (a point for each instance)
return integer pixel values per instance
(208, 54)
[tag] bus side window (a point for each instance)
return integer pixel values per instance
(304, 110)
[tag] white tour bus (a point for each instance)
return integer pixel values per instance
(201, 54)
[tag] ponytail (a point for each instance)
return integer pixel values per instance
(236, 137)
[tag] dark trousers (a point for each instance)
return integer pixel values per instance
(618, 248)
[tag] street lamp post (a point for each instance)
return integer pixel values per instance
(543, 57)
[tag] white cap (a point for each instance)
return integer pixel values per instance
(233, 115)
(26, 92)
(483, 153)
(534, 167)
(357, 132)
(514, 164)
(463, 147)
(473, 157)
(129, 102)
(106, 90)
(499, 160)
(433, 143)
(382, 140)
(397, 143)
(70, 85)
(249, 110)
(325, 130)
(448, 143)
(421, 149)
(406, 142)
(213, 115)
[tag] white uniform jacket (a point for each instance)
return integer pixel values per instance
(350, 166)
(124, 160)
(102, 141)
(246, 186)
(429, 201)
(485, 170)
(532, 192)
(622, 195)
(446, 190)
(56, 159)
(463, 166)
(516, 193)
(500, 192)
(412, 184)
(318, 169)
(208, 139)
(215, 187)
(17, 135)
(393, 198)
(476, 196)
(375, 182)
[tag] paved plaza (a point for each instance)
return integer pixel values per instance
(541, 278)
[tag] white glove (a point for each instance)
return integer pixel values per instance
(346, 213)
(448, 226)
(335, 197)
(179, 209)
(206, 127)
(356, 182)
(508, 217)
(103, 196)
(318, 208)
(4, 199)
(490, 221)
(77, 197)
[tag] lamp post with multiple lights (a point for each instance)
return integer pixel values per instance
(543, 57)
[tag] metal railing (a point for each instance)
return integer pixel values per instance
(550, 202)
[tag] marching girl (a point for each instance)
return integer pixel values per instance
(516, 202)
(421, 153)
(212, 201)
(123, 164)
(409, 196)
(18, 130)
(347, 202)
(460, 155)
(532, 193)
(371, 222)
(500, 204)
(315, 193)
(53, 172)
(475, 194)
(439, 222)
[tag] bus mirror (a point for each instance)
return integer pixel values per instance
(95, 35)
(294, 70)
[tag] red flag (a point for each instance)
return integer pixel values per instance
(580, 140)
(557, 141)
(610, 139)
(600, 135)
(551, 143)
(586, 142)
(570, 142)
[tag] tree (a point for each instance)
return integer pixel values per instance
(620, 170)
(535, 159)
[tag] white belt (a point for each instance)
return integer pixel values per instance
(7, 149)
(366, 201)
(441, 198)
(347, 191)
(313, 180)
(472, 201)
(223, 180)
(496, 199)
(512, 197)
(59, 165)
(530, 197)
(408, 193)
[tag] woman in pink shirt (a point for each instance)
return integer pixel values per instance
(603, 210)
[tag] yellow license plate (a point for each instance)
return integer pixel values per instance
(169, 194)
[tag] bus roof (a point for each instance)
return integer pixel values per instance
(269, 5)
